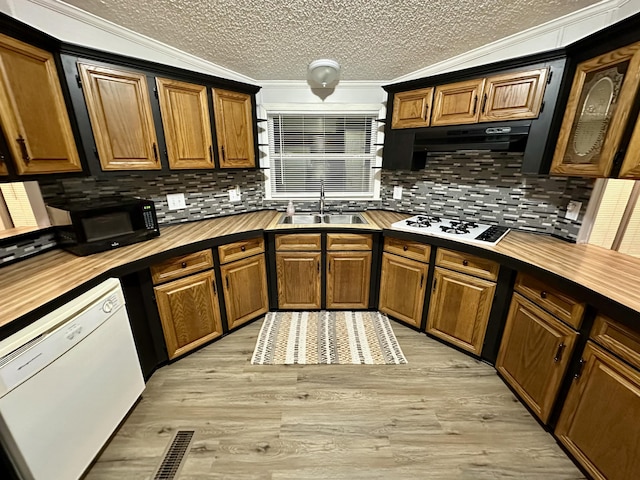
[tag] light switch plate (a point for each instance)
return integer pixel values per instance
(397, 193)
(176, 201)
(573, 210)
(234, 194)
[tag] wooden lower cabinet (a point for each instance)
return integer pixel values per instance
(245, 289)
(534, 354)
(402, 288)
(299, 280)
(348, 279)
(189, 312)
(459, 309)
(599, 419)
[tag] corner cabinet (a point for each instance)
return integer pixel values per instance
(33, 113)
(121, 118)
(244, 280)
(185, 120)
(596, 116)
(234, 129)
(188, 303)
(403, 280)
(463, 290)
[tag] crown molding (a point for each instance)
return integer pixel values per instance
(305, 84)
(181, 59)
(561, 31)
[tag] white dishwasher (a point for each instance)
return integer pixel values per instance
(66, 382)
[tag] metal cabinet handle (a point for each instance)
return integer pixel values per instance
(435, 282)
(223, 155)
(243, 248)
(318, 267)
(213, 284)
(329, 266)
(581, 363)
(465, 262)
(405, 248)
(475, 104)
(484, 103)
(558, 355)
(543, 294)
(211, 152)
(155, 152)
(227, 280)
(184, 264)
(421, 279)
(23, 148)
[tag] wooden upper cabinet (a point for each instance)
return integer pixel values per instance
(513, 96)
(33, 112)
(596, 115)
(534, 354)
(121, 119)
(599, 419)
(187, 128)
(631, 164)
(412, 109)
(234, 129)
(457, 103)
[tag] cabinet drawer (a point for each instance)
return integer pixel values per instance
(407, 248)
(465, 263)
(237, 250)
(349, 241)
(178, 267)
(567, 309)
(307, 242)
(618, 338)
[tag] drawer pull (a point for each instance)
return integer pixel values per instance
(405, 248)
(543, 294)
(243, 248)
(465, 262)
(558, 356)
(184, 264)
(580, 367)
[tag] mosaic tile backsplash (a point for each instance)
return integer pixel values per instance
(481, 186)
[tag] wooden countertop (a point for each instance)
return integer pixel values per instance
(35, 282)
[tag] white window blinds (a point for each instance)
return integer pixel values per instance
(307, 148)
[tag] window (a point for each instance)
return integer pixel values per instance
(337, 148)
(21, 208)
(613, 218)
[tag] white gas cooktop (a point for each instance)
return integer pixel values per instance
(470, 232)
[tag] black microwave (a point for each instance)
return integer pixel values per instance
(89, 226)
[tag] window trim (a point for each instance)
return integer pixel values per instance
(376, 110)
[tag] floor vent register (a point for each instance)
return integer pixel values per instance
(175, 455)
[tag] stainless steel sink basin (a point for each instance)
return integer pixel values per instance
(311, 219)
(301, 219)
(346, 219)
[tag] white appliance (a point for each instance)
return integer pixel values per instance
(470, 232)
(66, 382)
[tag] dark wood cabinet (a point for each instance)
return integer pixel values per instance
(33, 114)
(187, 128)
(234, 129)
(121, 118)
(534, 354)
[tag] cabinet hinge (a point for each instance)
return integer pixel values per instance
(79, 81)
(155, 92)
(542, 107)
(549, 77)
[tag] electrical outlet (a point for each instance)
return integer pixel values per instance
(176, 201)
(234, 194)
(397, 193)
(573, 210)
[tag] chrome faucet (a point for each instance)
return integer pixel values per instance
(321, 197)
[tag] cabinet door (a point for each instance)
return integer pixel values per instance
(457, 103)
(187, 128)
(299, 280)
(513, 96)
(459, 309)
(631, 164)
(599, 419)
(189, 312)
(402, 288)
(412, 109)
(234, 129)
(534, 354)
(32, 111)
(597, 112)
(121, 119)
(348, 279)
(245, 289)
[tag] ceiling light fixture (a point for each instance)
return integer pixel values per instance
(324, 72)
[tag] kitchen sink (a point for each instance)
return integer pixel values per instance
(311, 219)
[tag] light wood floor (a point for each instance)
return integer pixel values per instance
(442, 416)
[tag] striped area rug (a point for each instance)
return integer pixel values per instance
(351, 337)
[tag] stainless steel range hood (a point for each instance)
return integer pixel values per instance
(507, 137)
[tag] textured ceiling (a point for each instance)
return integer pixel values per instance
(371, 39)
